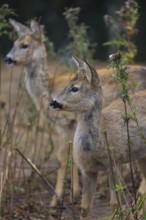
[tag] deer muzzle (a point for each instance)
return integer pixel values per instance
(56, 105)
(9, 60)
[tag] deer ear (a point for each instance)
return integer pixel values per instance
(78, 62)
(88, 72)
(18, 27)
(36, 29)
(91, 74)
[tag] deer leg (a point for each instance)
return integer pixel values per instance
(75, 181)
(142, 164)
(62, 157)
(113, 180)
(89, 186)
(59, 185)
(142, 188)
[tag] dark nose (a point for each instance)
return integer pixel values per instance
(54, 104)
(8, 60)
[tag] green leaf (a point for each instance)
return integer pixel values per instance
(119, 188)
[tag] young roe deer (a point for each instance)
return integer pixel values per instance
(29, 51)
(83, 95)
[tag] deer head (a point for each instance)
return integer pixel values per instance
(28, 45)
(82, 91)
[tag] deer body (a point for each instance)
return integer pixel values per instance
(85, 146)
(89, 140)
(117, 135)
(83, 95)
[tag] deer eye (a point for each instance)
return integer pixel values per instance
(24, 46)
(74, 89)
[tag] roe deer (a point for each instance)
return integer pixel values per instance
(29, 51)
(83, 95)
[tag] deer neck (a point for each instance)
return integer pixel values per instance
(88, 123)
(37, 67)
(36, 79)
(88, 138)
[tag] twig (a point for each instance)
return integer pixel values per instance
(67, 164)
(122, 76)
(72, 177)
(50, 187)
(129, 151)
(112, 171)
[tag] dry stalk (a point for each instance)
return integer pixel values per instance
(50, 188)
(113, 176)
(67, 165)
(121, 181)
(72, 177)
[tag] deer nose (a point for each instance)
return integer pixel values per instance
(54, 104)
(8, 60)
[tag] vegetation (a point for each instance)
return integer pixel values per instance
(121, 75)
(80, 44)
(123, 27)
(5, 12)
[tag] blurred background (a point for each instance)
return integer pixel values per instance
(50, 13)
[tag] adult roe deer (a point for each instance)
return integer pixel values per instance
(83, 95)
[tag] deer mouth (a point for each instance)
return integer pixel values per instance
(56, 105)
(9, 61)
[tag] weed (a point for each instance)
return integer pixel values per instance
(5, 11)
(80, 44)
(123, 27)
(121, 75)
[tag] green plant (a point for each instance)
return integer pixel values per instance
(80, 44)
(5, 11)
(121, 75)
(123, 27)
